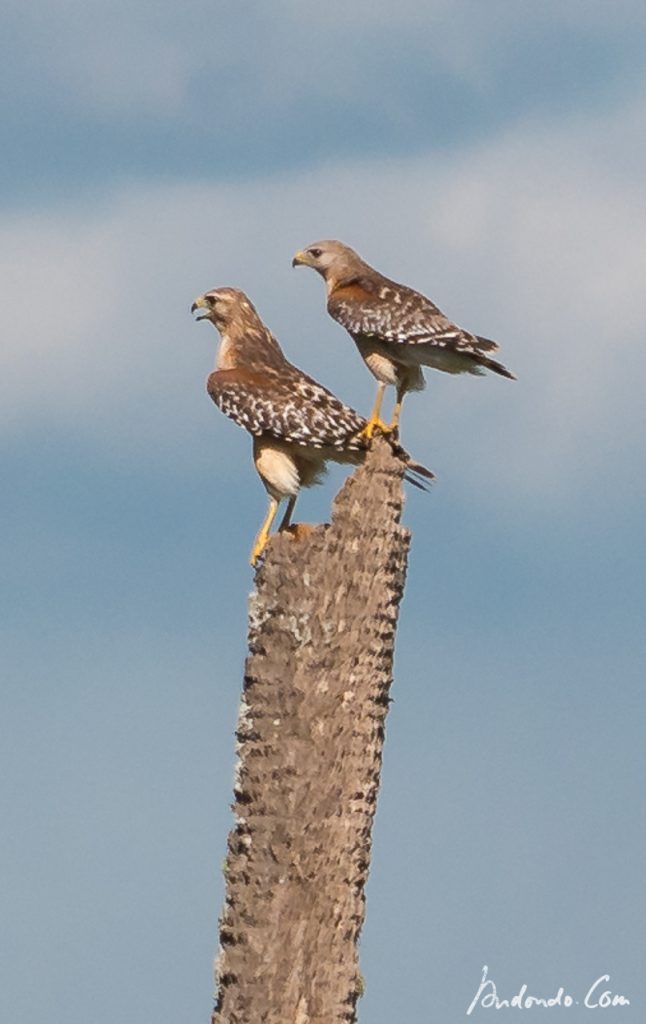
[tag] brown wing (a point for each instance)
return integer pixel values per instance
(393, 313)
(287, 405)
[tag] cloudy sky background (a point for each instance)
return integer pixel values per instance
(491, 155)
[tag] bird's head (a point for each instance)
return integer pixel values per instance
(223, 307)
(331, 259)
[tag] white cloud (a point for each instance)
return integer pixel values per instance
(124, 60)
(536, 238)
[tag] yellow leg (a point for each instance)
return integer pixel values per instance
(263, 536)
(375, 422)
(394, 426)
(287, 518)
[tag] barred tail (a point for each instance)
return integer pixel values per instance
(491, 364)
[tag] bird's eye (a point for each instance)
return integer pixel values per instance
(210, 299)
(315, 253)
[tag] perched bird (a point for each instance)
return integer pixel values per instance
(396, 329)
(297, 425)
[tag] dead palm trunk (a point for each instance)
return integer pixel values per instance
(310, 731)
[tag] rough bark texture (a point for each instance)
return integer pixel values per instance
(311, 730)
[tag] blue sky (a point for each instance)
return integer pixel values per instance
(491, 155)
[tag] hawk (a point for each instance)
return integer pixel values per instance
(296, 424)
(396, 329)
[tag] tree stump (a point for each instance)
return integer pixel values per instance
(311, 730)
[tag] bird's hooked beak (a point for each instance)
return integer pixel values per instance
(200, 303)
(301, 259)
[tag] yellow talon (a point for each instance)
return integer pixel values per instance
(374, 424)
(258, 548)
(263, 536)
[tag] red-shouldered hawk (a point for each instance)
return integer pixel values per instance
(396, 329)
(297, 425)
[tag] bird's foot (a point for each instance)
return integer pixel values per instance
(393, 430)
(374, 426)
(258, 549)
(299, 531)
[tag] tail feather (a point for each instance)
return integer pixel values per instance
(416, 483)
(413, 469)
(491, 364)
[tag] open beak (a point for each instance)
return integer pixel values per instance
(300, 259)
(200, 304)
